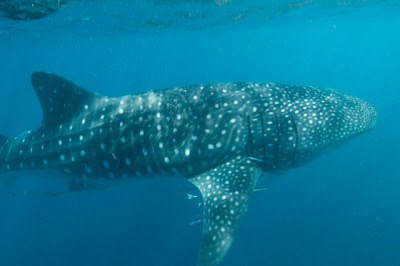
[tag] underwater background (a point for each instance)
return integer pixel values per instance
(341, 209)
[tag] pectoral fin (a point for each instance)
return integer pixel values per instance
(226, 192)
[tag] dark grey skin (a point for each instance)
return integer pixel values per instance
(220, 137)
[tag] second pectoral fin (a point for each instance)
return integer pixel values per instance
(226, 191)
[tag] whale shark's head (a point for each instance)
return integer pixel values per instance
(321, 118)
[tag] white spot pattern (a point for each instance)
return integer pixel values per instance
(226, 192)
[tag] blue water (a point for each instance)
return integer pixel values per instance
(341, 209)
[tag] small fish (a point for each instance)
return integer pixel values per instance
(260, 189)
(190, 196)
(41, 194)
(195, 222)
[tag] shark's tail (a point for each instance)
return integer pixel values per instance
(3, 141)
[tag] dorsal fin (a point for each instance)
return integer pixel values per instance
(60, 98)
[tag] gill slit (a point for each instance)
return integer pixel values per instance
(278, 129)
(263, 138)
(251, 148)
(297, 139)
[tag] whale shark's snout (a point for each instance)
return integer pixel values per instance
(358, 116)
(368, 116)
(324, 118)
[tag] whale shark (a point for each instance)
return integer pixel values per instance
(220, 137)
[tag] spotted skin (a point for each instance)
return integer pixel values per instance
(220, 137)
(226, 192)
